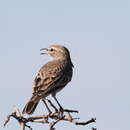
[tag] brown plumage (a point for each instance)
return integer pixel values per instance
(52, 77)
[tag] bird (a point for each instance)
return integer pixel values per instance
(52, 77)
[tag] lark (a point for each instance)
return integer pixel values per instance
(52, 77)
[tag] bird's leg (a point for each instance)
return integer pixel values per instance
(61, 108)
(47, 106)
(53, 106)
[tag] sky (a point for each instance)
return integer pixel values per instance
(97, 33)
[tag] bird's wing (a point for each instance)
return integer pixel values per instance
(47, 77)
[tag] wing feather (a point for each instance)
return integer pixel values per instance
(47, 77)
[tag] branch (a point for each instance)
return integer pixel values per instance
(51, 119)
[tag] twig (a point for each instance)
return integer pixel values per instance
(71, 111)
(51, 119)
(86, 123)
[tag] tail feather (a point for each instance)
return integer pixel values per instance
(31, 105)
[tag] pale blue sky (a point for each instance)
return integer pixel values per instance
(97, 34)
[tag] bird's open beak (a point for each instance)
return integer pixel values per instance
(44, 51)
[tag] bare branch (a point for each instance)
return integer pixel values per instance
(51, 119)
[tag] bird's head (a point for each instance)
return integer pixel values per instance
(56, 52)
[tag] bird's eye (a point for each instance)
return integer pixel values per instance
(51, 49)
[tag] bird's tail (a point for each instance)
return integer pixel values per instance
(31, 105)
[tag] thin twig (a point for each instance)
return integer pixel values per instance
(56, 117)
